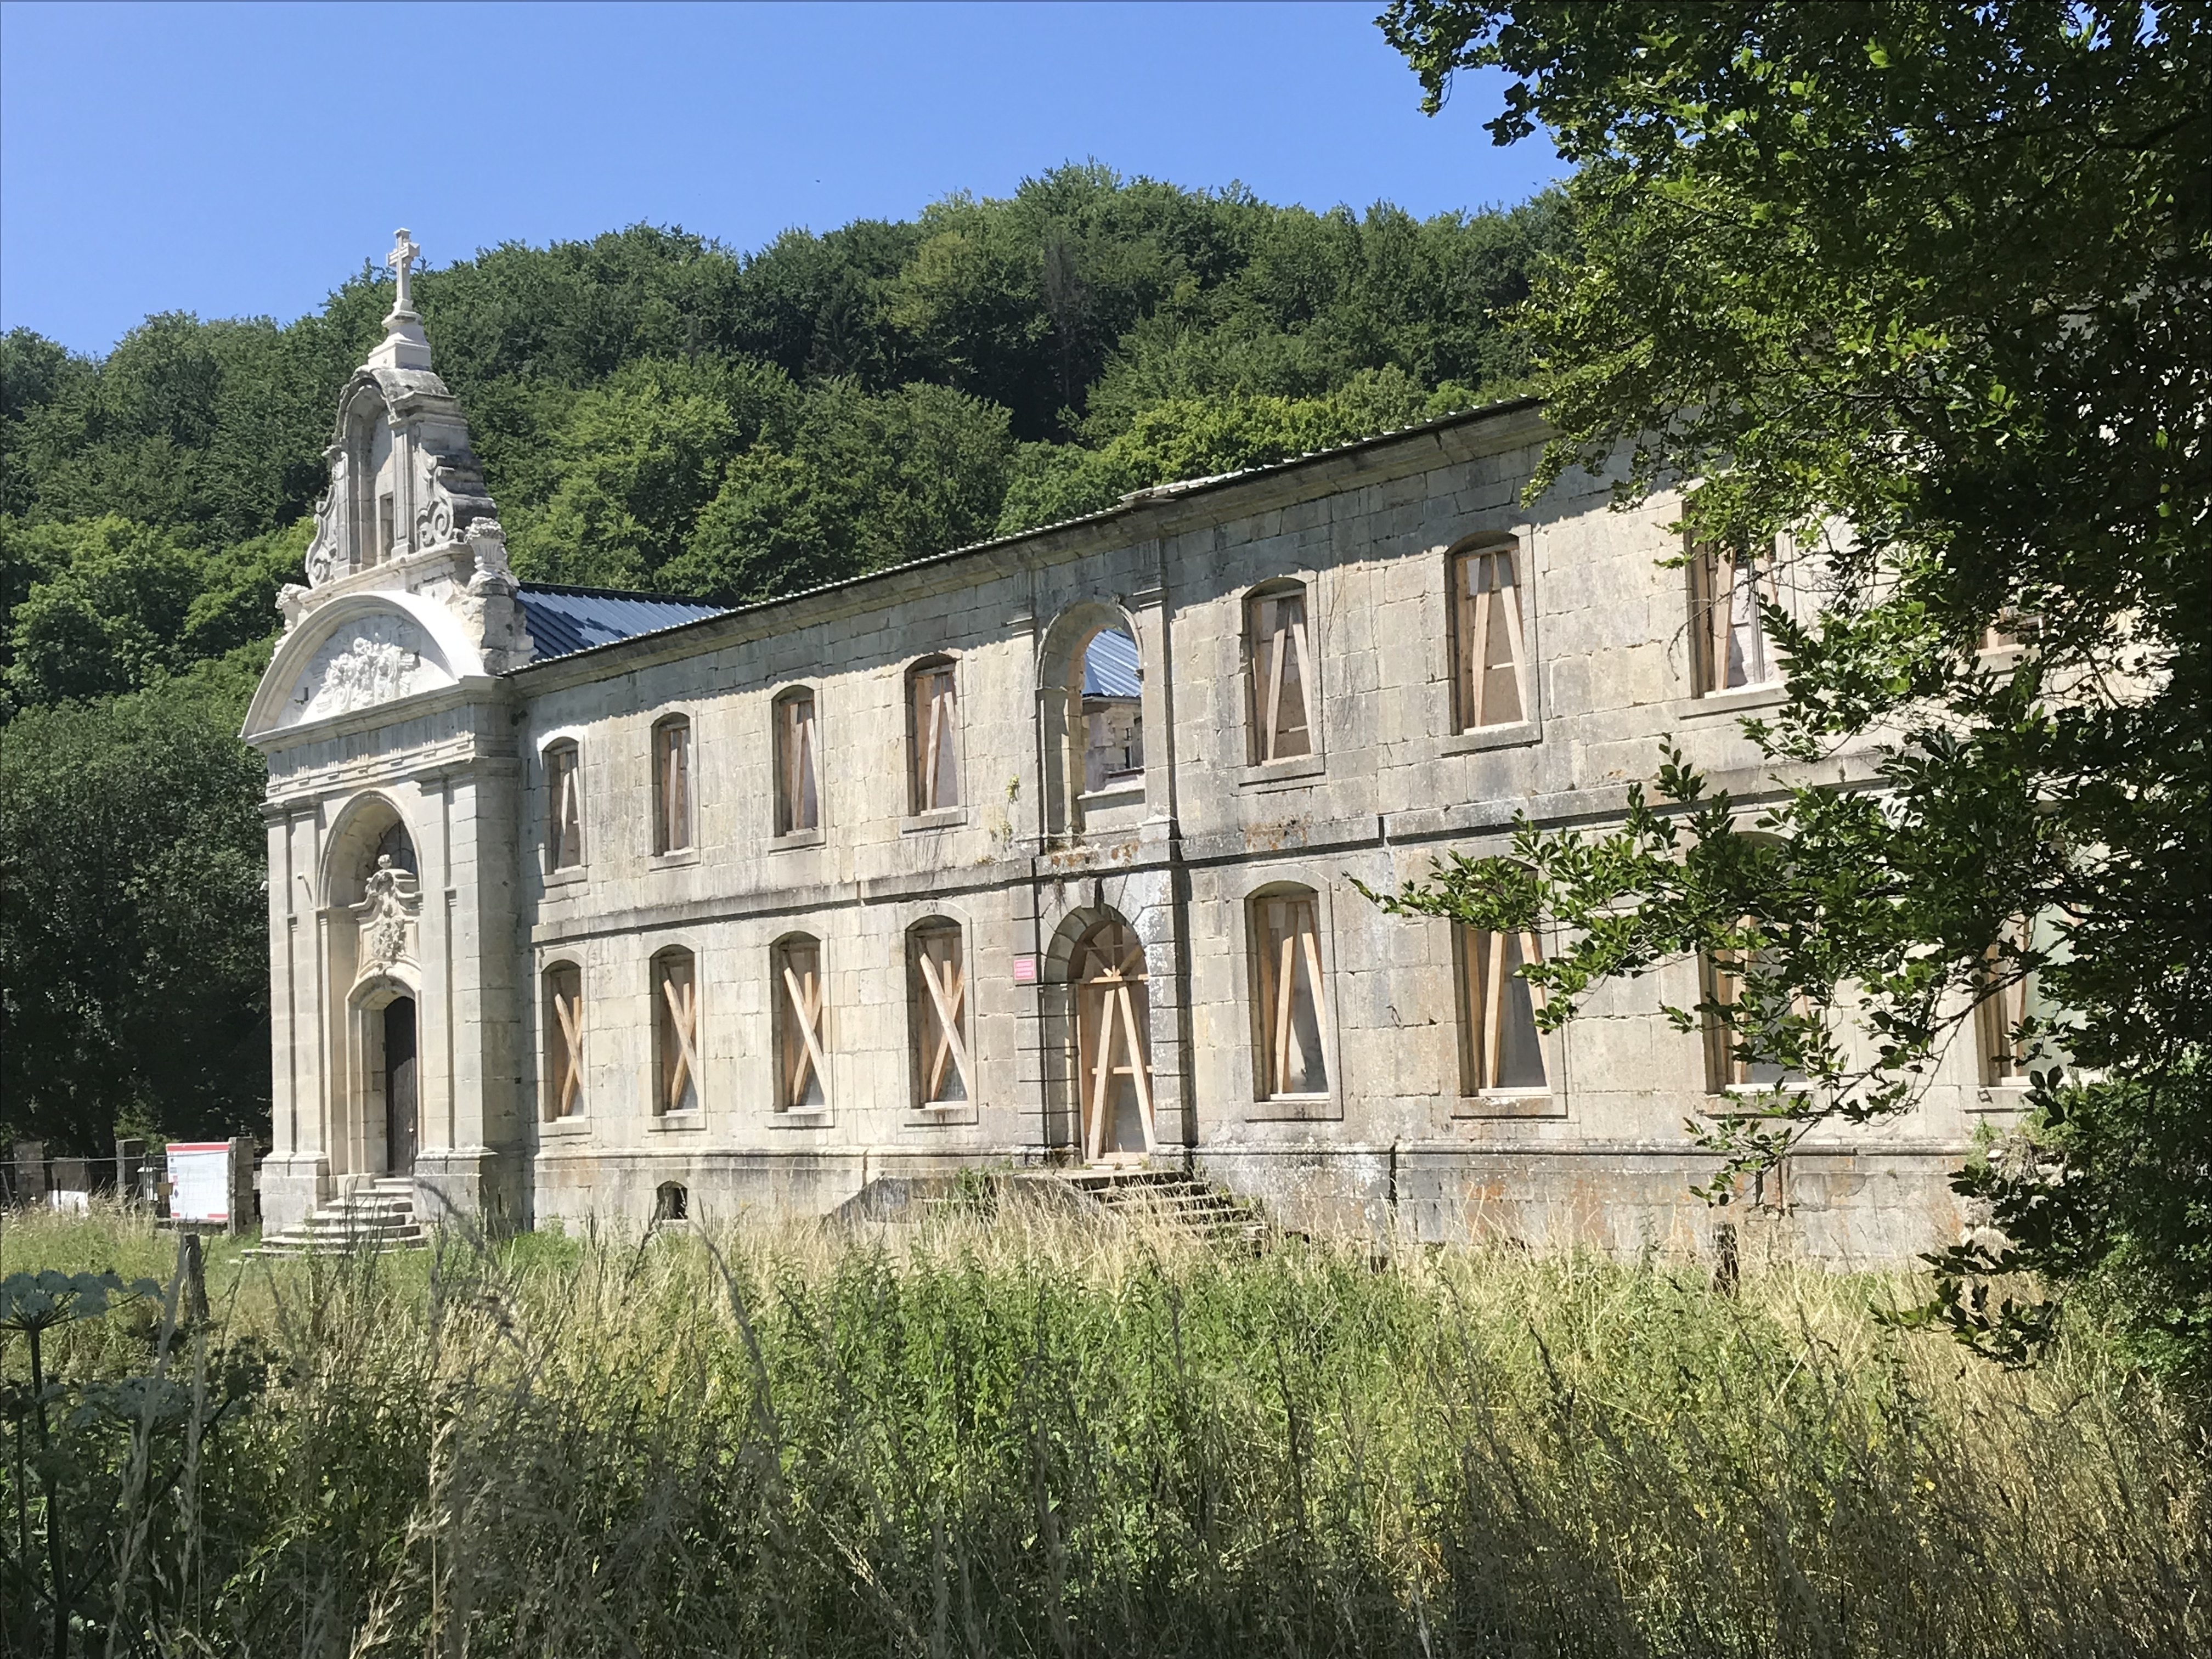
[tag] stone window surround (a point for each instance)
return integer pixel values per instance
(1252, 774)
(1549, 1102)
(675, 857)
(580, 869)
(944, 817)
(798, 1117)
(578, 1122)
(777, 691)
(693, 1116)
(1521, 534)
(947, 1113)
(1328, 1105)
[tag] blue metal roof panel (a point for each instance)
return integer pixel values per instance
(1109, 667)
(566, 620)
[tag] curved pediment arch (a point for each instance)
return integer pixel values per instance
(357, 652)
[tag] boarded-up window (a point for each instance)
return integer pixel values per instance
(1731, 645)
(933, 736)
(1502, 1051)
(1287, 994)
(1112, 1015)
(797, 989)
(672, 784)
(2004, 1005)
(1727, 1065)
(675, 1032)
(798, 786)
(1489, 640)
(937, 998)
(564, 807)
(1282, 692)
(564, 1039)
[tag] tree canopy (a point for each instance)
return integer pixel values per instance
(1912, 297)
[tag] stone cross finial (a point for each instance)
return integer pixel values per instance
(405, 253)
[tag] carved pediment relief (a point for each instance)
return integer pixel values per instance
(371, 659)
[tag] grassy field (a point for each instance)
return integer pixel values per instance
(1023, 1437)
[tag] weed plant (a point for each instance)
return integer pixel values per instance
(1021, 1435)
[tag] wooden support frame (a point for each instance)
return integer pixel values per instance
(938, 957)
(564, 1039)
(797, 776)
(678, 1080)
(1489, 638)
(1292, 1000)
(933, 722)
(1488, 965)
(1732, 649)
(1112, 1008)
(2002, 1010)
(802, 1067)
(564, 805)
(1283, 692)
(672, 784)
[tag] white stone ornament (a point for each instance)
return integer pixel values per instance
(385, 914)
(379, 659)
(405, 253)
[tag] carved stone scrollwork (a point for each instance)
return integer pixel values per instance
(379, 659)
(387, 916)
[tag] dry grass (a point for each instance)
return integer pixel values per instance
(1023, 1436)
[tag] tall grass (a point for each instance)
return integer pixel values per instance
(1024, 1436)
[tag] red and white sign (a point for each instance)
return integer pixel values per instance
(199, 1181)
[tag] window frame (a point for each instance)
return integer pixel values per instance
(1316, 962)
(1472, 616)
(1481, 997)
(1713, 627)
(676, 1025)
(940, 1042)
(561, 763)
(788, 991)
(924, 809)
(783, 826)
(1262, 684)
(684, 781)
(2000, 1059)
(566, 1061)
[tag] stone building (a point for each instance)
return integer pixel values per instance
(1038, 852)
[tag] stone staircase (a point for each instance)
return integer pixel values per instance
(378, 1217)
(1170, 1197)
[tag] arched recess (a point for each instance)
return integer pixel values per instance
(371, 931)
(352, 652)
(1099, 1006)
(1089, 710)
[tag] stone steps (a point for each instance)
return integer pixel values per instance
(1168, 1196)
(380, 1217)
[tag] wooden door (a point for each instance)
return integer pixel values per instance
(400, 1118)
(1111, 1031)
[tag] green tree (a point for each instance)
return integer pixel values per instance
(134, 970)
(1936, 273)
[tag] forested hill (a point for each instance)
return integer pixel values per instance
(656, 411)
(653, 411)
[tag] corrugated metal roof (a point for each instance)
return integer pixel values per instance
(566, 620)
(1109, 667)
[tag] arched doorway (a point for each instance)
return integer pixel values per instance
(1114, 1079)
(402, 1127)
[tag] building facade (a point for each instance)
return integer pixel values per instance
(1038, 852)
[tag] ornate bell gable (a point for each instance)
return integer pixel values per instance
(408, 589)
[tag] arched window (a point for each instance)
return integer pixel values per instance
(1728, 631)
(1288, 994)
(671, 1203)
(796, 991)
(675, 1032)
(564, 805)
(1490, 650)
(932, 735)
(1739, 1049)
(672, 784)
(564, 1039)
(1283, 693)
(2007, 999)
(938, 1014)
(1501, 1051)
(1112, 1013)
(397, 846)
(798, 782)
(1110, 740)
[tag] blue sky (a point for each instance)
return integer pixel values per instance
(238, 161)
